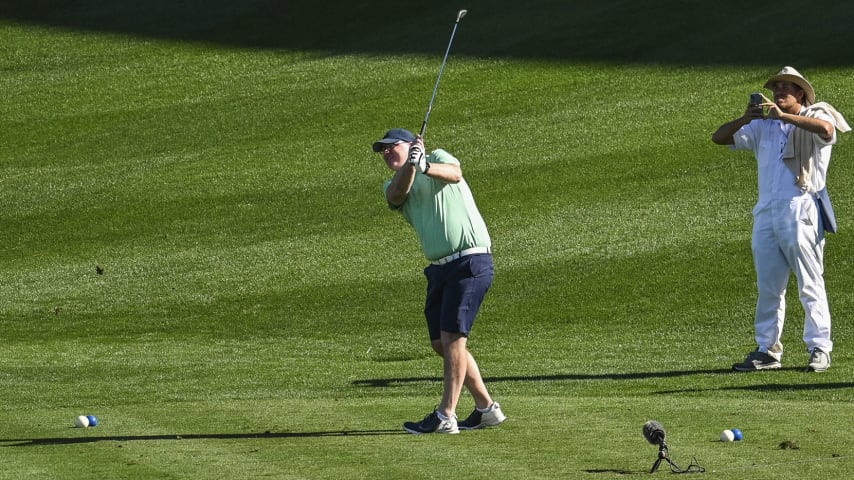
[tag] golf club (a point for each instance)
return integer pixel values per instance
(460, 14)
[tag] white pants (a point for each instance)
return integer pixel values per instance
(786, 239)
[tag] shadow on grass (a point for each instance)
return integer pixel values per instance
(616, 471)
(391, 382)
(691, 32)
(31, 442)
(793, 386)
(767, 387)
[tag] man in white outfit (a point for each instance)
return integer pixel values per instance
(791, 137)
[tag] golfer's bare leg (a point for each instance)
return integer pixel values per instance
(474, 383)
(456, 363)
(473, 380)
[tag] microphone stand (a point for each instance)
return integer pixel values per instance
(664, 455)
(654, 434)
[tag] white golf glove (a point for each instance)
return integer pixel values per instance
(417, 157)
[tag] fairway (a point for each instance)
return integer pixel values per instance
(195, 246)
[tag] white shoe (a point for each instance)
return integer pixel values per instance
(479, 419)
(819, 361)
(432, 424)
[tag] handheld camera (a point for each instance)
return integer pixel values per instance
(756, 102)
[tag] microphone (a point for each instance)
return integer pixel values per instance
(654, 433)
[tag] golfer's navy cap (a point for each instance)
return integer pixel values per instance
(393, 136)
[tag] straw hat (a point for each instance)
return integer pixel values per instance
(789, 74)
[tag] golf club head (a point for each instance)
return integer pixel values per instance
(461, 14)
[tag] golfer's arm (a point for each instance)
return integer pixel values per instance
(401, 183)
(445, 172)
(724, 134)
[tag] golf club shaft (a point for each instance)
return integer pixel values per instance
(460, 15)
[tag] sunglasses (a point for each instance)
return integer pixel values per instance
(389, 146)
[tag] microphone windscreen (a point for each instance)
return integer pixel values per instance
(654, 432)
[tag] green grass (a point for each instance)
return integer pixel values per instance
(259, 311)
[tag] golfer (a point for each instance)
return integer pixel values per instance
(431, 194)
(791, 138)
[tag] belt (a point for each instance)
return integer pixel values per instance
(462, 253)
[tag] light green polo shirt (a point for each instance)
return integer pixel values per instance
(444, 215)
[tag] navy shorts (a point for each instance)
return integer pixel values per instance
(454, 293)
